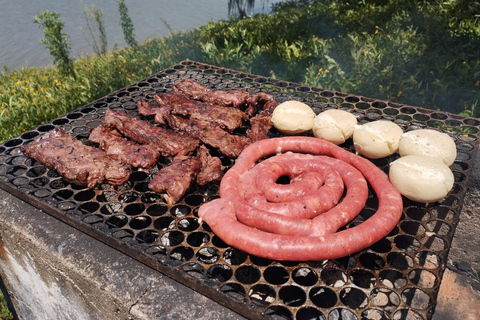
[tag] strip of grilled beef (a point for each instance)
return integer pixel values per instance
(261, 123)
(174, 180)
(166, 141)
(213, 136)
(227, 118)
(76, 162)
(142, 156)
(210, 169)
(194, 90)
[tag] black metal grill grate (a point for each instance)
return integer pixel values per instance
(396, 278)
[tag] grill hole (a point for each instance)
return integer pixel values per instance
(434, 243)
(439, 227)
(12, 143)
(188, 224)
(323, 297)
(172, 238)
(371, 261)
(41, 193)
(197, 239)
(58, 184)
(416, 298)
(341, 314)
(17, 171)
(194, 270)
(418, 214)
(234, 291)
(363, 278)
(407, 314)
(134, 209)
(164, 223)
(40, 182)
(93, 219)
(128, 197)
(413, 228)
(262, 294)
(354, 298)
(151, 197)
(423, 278)
(276, 275)
(194, 200)
(85, 195)
(157, 210)
(180, 211)
(88, 207)
(181, 254)
(140, 222)
(427, 259)
(407, 243)
(385, 298)
(392, 279)
(124, 235)
(399, 260)
(382, 246)
(247, 274)
(304, 276)
(36, 171)
(66, 205)
(292, 296)
(208, 255)
(309, 313)
(117, 221)
(159, 252)
(277, 313)
(220, 272)
(147, 236)
(333, 277)
(234, 256)
(111, 208)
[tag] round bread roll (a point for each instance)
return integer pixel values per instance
(421, 178)
(293, 117)
(377, 139)
(334, 125)
(428, 142)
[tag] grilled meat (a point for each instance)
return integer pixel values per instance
(227, 118)
(174, 180)
(261, 123)
(194, 90)
(211, 167)
(211, 135)
(77, 163)
(167, 142)
(140, 156)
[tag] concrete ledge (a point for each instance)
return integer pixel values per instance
(53, 271)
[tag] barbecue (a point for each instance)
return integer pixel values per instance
(386, 280)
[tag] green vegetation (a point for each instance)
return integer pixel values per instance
(126, 23)
(56, 41)
(412, 52)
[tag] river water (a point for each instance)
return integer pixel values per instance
(20, 38)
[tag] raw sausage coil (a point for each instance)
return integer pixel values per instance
(259, 216)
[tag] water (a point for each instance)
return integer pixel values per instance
(20, 38)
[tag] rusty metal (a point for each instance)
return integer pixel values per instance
(396, 278)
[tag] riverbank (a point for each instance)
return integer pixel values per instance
(419, 54)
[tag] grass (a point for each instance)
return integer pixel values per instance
(422, 53)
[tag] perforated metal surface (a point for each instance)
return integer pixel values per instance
(397, 278)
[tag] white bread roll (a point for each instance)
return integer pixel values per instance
(293, 117)
(334, 125)
(428, 142)
(421, 178)
(377, 139)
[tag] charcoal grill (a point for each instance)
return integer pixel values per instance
(396, 278)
